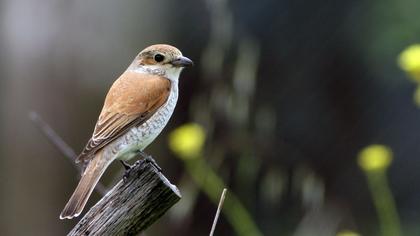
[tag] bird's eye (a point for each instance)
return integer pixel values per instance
(159, 57)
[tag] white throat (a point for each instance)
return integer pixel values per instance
(168, 71)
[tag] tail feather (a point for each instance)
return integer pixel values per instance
(87, 183)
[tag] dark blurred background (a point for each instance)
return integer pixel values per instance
(288, 92)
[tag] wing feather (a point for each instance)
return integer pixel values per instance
(132, 99)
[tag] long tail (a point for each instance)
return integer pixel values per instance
(87, 183)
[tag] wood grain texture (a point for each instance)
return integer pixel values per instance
(132, 205)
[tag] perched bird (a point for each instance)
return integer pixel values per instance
(136, 109)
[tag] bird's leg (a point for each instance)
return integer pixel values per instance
(148, 159)
(127, 168)
(144, 158)
(125, 165)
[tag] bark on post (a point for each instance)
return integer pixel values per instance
(132, 205)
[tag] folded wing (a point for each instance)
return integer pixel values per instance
(132, 99)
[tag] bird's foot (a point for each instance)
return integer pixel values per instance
(149, 159)
(127, 168)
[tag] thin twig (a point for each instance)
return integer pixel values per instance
(53, 137)
(219, 208)
(59, 143)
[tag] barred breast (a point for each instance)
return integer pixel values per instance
(138, 138)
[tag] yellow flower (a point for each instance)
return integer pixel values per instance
(409, 61)
(347, 233)
(375, 157)
(187, 140)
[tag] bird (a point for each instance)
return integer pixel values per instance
(137, 107)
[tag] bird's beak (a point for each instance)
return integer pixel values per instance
(182, 62)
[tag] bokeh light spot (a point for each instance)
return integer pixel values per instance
(187, 140)
(347, 233)
(409, 61)
(375, 157)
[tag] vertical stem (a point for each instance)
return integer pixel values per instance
(211, 184)
(219, 208)
(384, 203)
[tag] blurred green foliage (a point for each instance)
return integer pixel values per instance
(187, 142)
(286, 94)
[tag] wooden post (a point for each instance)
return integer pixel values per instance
(132, 205)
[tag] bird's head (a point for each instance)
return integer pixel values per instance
(161, 59)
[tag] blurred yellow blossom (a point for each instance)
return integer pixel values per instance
(374, 160)
(187, 140)
(347, 233)
(409, 61)
(375, 157)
